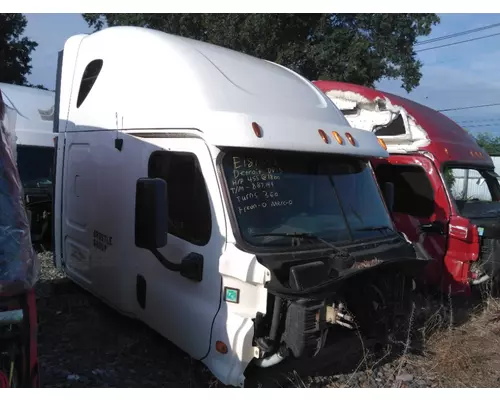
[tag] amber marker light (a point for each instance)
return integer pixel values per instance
(337, 137)
(323, 135)
(221, 347)
(256, 129)
(382, 143)
(350, 138)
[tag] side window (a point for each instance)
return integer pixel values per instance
(396, 127)
(189, 211)
(467, 184)
(413, 193)
(88, 79)
(35, 165)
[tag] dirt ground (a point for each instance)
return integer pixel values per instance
(84, 343)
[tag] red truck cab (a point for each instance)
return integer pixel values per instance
(446, 191)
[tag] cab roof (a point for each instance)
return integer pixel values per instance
(150, 80)
(433, 131)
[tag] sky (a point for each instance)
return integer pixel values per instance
(461, 75)
(456, 76)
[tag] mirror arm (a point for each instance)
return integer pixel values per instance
(166, 263)
(191, 266)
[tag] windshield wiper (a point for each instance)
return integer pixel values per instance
(376, 228)
(305, 236)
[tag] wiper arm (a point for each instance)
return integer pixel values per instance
(376, 228)
(305, 236)
(286, 234)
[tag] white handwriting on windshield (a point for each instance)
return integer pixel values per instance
(254, 206)
(254, 184)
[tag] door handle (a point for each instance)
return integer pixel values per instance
(75, 187)
(433, 227)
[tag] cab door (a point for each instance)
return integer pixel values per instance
(421, 209)
(183, 305)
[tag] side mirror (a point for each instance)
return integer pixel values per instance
(388, 192)
(151, 213)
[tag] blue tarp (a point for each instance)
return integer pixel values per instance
(19, 266)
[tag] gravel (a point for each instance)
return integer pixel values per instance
(84, 343)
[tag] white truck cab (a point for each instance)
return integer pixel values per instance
(222, 199)
(29, 116)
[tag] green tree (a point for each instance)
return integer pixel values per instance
(357, 48)
(489, 142)
(15, 50)
(38, 87)
(449, 177)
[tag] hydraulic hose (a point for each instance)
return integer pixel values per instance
(484, 278)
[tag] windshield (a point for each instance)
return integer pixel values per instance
(333, 197)
(475, 191)
(35, 165)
